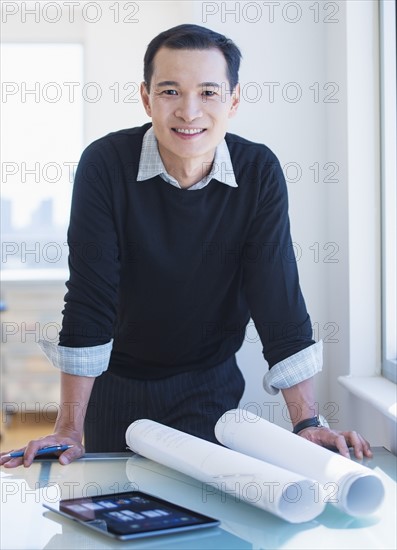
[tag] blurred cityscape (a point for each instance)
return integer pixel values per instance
(40, 244)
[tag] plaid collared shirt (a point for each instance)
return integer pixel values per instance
(150, 165)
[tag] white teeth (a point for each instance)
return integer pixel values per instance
(188, 131)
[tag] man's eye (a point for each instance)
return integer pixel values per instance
(170, 92)
(209, 93)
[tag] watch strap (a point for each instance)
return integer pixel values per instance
(313, 422)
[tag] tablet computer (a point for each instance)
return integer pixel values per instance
(131, 515)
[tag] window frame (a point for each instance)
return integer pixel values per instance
(388, 119)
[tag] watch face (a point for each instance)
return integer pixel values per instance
(322, 421)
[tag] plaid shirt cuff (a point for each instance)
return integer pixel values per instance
(88, 361)
(294, 369)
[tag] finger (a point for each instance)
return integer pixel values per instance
(354, 441)
(5, 456)
(77, 451)
(10, 462)
(13, 462)
(341, 445)
(34, 446)
(367, 449)
(360, 445)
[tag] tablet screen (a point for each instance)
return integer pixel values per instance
(132, 514)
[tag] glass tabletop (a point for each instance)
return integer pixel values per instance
(27, 524)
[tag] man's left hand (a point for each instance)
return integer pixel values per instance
(340, 440)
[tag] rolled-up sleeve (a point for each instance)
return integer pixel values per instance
(88, 361)
(295, 369)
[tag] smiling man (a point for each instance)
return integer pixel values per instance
(179, 235)
(189, 114)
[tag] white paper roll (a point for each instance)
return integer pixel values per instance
(281, 492)
(351, 487)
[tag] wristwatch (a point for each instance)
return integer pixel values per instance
(314, 422)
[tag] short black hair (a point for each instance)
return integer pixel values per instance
(193, 37)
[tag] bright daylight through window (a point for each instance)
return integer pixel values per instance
(42, 123)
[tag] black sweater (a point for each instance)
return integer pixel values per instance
(173, 276)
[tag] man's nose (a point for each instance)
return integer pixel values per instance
(190, 109)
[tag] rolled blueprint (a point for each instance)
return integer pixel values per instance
(278, 491)
(351, 487)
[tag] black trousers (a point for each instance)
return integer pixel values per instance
(191, 402)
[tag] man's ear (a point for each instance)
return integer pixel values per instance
(145, 99)
(235, 101)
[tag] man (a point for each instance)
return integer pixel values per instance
(178, 235)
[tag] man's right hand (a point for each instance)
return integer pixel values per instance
(57, 438)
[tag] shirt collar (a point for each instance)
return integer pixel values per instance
(151, 165)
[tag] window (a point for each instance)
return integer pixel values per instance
(389, 187)
(42, 138)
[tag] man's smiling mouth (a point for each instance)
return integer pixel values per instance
(189, 131)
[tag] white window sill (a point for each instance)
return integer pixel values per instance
(33, 275)
(376, 390)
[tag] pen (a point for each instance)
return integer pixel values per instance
(43, 451)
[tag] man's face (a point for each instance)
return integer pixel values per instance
(189, 102)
